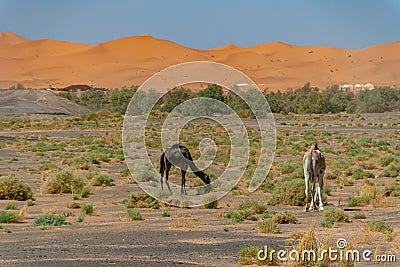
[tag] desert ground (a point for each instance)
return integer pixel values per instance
(133, 59)
(33, 149)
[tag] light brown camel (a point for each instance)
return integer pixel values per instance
(314, 167)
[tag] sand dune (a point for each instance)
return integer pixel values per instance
(131, 60)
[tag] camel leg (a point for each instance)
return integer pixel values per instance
(183, 186)
(161, 181)
(311, 208)
(306, 180)
(167, 168)
(320, 187)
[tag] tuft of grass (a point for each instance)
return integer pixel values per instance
(380, 226)
(210, 201)
(332, 215)
(181, 223)
(361, 174)
(256, 206)
(269, 226)
(235, 217)
(85, 193)
(81, 218)
(248, 256)
(50, 220)
(5, 229)
(134, 215)
(102, 179)
(166, 213)
(13, 188)
(359, 216)
(386, 160)
(74, 205)
(62, 181)
(87, 209)
(368, 194)
(11, 206)
(8, 217)
(30, 203)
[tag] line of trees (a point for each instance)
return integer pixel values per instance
(303, 100)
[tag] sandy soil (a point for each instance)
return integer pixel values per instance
(108, 238)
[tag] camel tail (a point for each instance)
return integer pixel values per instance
(162, 163)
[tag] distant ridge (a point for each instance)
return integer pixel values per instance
(133, 59)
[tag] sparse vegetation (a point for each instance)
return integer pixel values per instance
(49, 220)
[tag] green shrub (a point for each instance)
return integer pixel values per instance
(87, 209)
(49, 220)
(8, 217)
(11, 206)
(386, 160)
(380, 226)
(85, 193)
(359, 216)
(134, 215)
(269, 226)
(361, 174)
(332, 215)
(14, 188)
(62, 181)
(235, 217)
(392, 189)
(101, 179)
(166, 213)
(288, 192)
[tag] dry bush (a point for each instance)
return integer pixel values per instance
(181, 223)
(141, 200)
(14, 188)
(62, 181)
(288, 192)
(284, 217)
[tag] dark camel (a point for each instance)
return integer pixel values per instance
(180, 157)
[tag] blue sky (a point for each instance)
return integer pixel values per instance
(208, 23)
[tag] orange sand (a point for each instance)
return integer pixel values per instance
(131, 60)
